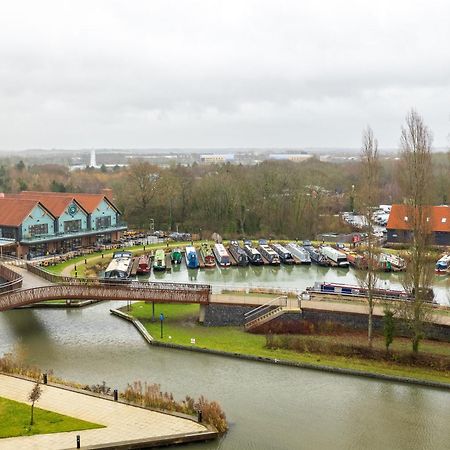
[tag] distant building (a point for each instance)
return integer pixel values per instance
(399, 224)
(217, 158)
(295, 157)
(41, 223)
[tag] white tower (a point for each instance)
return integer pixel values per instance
(93, 162)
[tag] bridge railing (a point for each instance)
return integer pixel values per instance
(13, 279)
(105, 292)
(58, 279)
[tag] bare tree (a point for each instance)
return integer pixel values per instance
(368, 196)
(417, 180)
(34, 396)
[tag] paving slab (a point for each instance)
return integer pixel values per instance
(122, 422)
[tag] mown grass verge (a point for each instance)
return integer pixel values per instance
(15, 421)
(181, 326)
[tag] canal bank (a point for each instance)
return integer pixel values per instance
(336, 369)
(268, 406)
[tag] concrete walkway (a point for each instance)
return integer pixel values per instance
(321, 305)
(123, 422)
(30, 280)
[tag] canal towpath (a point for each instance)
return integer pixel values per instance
(141, 425)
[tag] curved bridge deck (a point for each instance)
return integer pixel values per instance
(170, 293)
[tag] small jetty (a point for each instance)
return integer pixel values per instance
(134, 267)
(201, 261)
(233, 262)
(168, 263)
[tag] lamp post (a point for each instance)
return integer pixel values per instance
(161, 319)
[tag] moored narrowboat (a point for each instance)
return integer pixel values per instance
(143, 267)
(120, 266)
(283, 253)
(300, 252)
(254, 256)
(270, 255)
(176, 256)
(238, 253)
(208, 255)
(443, 265)
(159, 263)
(222, 257)
(191, 258)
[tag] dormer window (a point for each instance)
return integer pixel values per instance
(406, 218)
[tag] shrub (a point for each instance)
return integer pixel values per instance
(150, 395)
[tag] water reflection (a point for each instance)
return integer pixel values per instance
(269, 407)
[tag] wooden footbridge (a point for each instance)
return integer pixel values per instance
(67, 288)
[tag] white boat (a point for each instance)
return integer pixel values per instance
(120, 266)
(299, 252)
(443, 265)
(221, 254)
(336, 257)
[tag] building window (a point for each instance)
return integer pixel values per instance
(406, 218)
(102, 222)
(36, 230)
(72, 225)
(8, 233)
(444, 219)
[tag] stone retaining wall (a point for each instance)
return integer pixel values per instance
(230, 315)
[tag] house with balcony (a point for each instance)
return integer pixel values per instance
(44, 223)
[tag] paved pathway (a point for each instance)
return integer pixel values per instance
(30, 280)
(324, 305)
(122, 422)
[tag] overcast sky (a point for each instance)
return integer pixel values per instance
(127, 74)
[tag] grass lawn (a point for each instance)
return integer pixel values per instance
(15, 421)
(181, 326)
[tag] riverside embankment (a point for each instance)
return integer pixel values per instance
(268, 406)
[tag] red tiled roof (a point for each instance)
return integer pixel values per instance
(439, 216)
(56, 204)
(87, 201)
(13, 211)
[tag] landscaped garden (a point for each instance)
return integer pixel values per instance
(15, 421)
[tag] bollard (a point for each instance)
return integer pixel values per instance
(76, 274)
(75, 267)
(116, 395)
(102, 255)
(199, 416)
(44, 376)
(78, 441)
(85, 261)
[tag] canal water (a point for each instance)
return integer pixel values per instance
(297, 277)
(268, 406)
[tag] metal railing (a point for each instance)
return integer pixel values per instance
(263, 309)
(27, 238)
(104, 292)
(13, 279)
